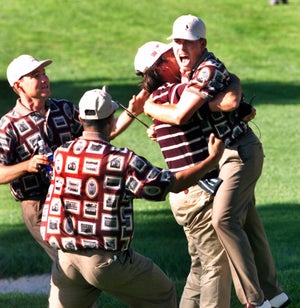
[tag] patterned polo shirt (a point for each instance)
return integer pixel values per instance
(208, 79)
(90, 199)
(20, 131)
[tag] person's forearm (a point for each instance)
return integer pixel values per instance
(228, 100)
(175, 114)
(135, 107)
(121, 123)
(11, 173)
(189, 177)
(163, 113)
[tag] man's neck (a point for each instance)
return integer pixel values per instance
(95, 135)
(36, 105)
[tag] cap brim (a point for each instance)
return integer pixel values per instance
(182, 37)
(45, 63)
(115, 105)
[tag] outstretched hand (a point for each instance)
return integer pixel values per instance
(136, 104)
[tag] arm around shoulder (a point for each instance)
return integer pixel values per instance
(175, 114)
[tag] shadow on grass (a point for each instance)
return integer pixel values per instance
(20, 254)
(123, 89)
(23, 300)
(158, 236)
(281, 222)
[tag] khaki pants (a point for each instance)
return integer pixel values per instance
(238, 225)
(32, 214)
(209, 281)
(79, 277)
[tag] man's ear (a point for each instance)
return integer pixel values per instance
(16, 87)
(203, 42)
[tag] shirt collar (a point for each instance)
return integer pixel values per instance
(24, 111)
(202, 58)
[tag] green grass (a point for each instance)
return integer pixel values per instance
(94, 42)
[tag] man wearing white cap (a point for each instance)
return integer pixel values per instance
(35, 117)
(183, 146)
(234, 217)
(88, 214)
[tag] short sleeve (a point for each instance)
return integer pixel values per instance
(147, 181)
(210, 78)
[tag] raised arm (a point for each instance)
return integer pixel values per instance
(135, 106)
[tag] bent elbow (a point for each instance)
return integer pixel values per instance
(234, 105)
(230, 104)
(180, 120)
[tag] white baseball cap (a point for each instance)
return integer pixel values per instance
(188, 27)
(148, 54)
(22, 66)
(96, 104)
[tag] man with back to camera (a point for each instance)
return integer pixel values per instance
(88, 214)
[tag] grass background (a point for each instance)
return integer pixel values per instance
(93, 43)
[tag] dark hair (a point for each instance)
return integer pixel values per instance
(151, 78)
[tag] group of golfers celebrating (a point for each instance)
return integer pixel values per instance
(79, 205)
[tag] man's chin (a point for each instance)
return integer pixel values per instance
(44, 97)
(184, 69)
(45, 94)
